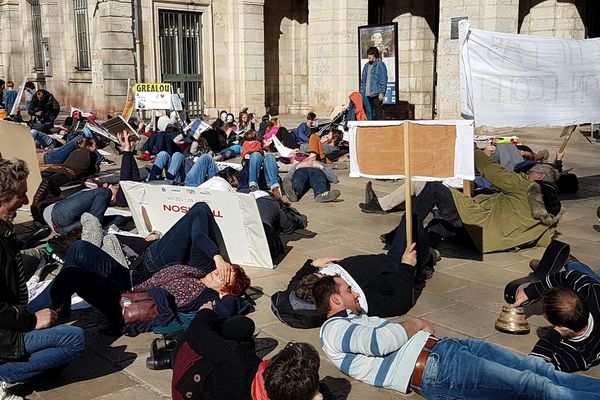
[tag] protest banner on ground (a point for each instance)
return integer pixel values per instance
(153, 96)
(439, 149)
(521, 80)
(16, 142)
(159, 207)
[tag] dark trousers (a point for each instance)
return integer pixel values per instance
(191, 241)
(98, 291)
(376, 107)
(398, 246)
(161, 141)
(447, 222)
(129, 172)
(306, 178)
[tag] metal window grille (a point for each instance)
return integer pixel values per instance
(82, 35)
(180, 37)
(36, 30)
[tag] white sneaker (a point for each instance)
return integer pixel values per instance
(5, 394)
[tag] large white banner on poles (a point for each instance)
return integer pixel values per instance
(159, 207)
(520, 80)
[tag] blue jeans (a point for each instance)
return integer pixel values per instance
(475, 369)
(59, 155)
(231, 152)
(269, 164)
(66, 214)
(584, 269)
(191, 241)
(42, 139)
(48, 348)
(305, 178)
(204, 169)
(176, 166)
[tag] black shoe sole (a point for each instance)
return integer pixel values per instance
(366, 209)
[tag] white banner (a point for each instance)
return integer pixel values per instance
(159, 207)
(520, 80)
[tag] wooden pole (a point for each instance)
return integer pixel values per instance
(408, 185)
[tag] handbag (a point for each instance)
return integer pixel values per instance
(138, 307)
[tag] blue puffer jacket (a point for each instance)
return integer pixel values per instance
(378, 80)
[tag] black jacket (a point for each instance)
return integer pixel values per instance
(388, 290)
(14, 318)
(49, 106)
(210, 367)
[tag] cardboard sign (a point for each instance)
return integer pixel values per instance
(128, 108)
(159, 207)
(17, 103)
(16, 142)
(153, 96)
(439, 150)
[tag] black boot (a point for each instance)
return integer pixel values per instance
(159, 359)
(36, 204)
(372, 207)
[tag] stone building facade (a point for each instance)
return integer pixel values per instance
(281, 56)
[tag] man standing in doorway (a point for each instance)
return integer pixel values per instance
(373, 82)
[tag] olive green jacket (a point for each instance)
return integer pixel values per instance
(514, 217)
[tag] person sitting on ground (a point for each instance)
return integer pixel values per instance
(525, 212)
(304, 130)
(308, 174)
(30, 343)
(570, 302)
(386, 285)
(162, 138)
(217, 360)
(45, 108)
(245, 122)
(406, 356)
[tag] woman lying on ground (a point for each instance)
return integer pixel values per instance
(186, 288)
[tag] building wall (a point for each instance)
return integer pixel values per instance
(289, 56)
(416, 41)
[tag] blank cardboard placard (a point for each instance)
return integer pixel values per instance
(380, 150)
(16, 142)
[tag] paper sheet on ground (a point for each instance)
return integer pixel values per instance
(159, 207)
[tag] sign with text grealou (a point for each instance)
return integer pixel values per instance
(520, 80)
(153, 96)
(159, 207)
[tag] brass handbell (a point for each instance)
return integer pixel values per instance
(512, 320)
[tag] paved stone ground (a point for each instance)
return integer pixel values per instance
(463, 298)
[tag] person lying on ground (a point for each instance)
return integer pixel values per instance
(217, 360)
(310, 174)
(30, 342)
(386, 282)
(79, 164)
(407, 357)
(191, 241)
(525, 212)
(188, 287)
(570, 302)
(327, 148)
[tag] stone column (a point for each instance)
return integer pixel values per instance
(492, 15)
(249, 42)
(300, 103)
(333, 70)
(11, 42)
(114, 64)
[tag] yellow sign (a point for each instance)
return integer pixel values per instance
(129, 103)
(153, 87)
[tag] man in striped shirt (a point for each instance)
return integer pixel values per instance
(570, 301)
(29, 343)
(406, 357)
